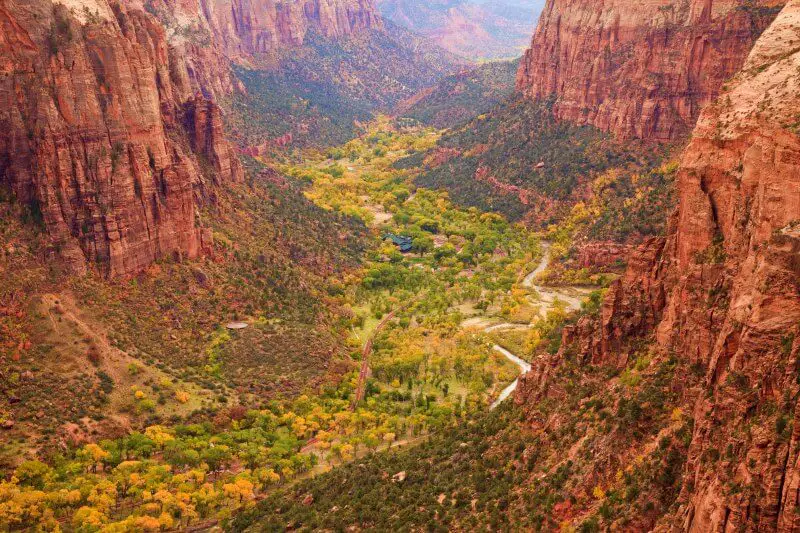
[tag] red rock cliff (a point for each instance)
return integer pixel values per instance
(734, 304)
(92, 113)
(246, 27)
(722, 292)
(638, 69)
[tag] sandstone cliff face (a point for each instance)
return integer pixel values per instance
(241, 28)
(722, 292)
(639, 69)
(91, 102)
(602, 254)
(736, 249)
(203, 122)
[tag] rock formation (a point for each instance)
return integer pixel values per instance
(91, 132)
(595, 254)
(639, 69)
(242, 28)
(734, 303)
(203, 122)
(722, 292)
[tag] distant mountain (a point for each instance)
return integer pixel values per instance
(476, 29)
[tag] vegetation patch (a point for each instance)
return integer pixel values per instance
(460, 97)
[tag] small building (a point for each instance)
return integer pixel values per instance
(403, 242)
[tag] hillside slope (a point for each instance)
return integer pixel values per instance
(519, 160)
(462, 96)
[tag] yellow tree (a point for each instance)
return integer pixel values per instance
(93, 455)
(266, 477)
(123, 476)
(348, 452)
(299, 427)
(88, 518)
(103, 496)
(20, 508)
(159, 435)
(205, 499)
(240, 491)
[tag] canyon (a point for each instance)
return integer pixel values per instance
(150, 164)
(113, 129)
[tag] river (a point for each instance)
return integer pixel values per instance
(572, 297)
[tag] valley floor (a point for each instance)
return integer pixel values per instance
(427, 328)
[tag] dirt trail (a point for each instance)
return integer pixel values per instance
(109, 358)
(62, 311)
(68, 321)
(521, 363)
(365, 354)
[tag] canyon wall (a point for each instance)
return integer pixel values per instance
(242, 28)
(722, 293)
(639, 69)
(734, 298)
(110, 127)
(103, 135)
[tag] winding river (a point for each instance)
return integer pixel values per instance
(572, 297)
(524, 367)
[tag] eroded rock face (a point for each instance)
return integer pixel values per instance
(734, 306)
(722, 292)
(602, 254)
(91, 100)
(203, 122)
(246, 27)
(639, 69)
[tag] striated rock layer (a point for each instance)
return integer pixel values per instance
(242, 28)
(639, 69)
(722, 292)
(93, 110)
